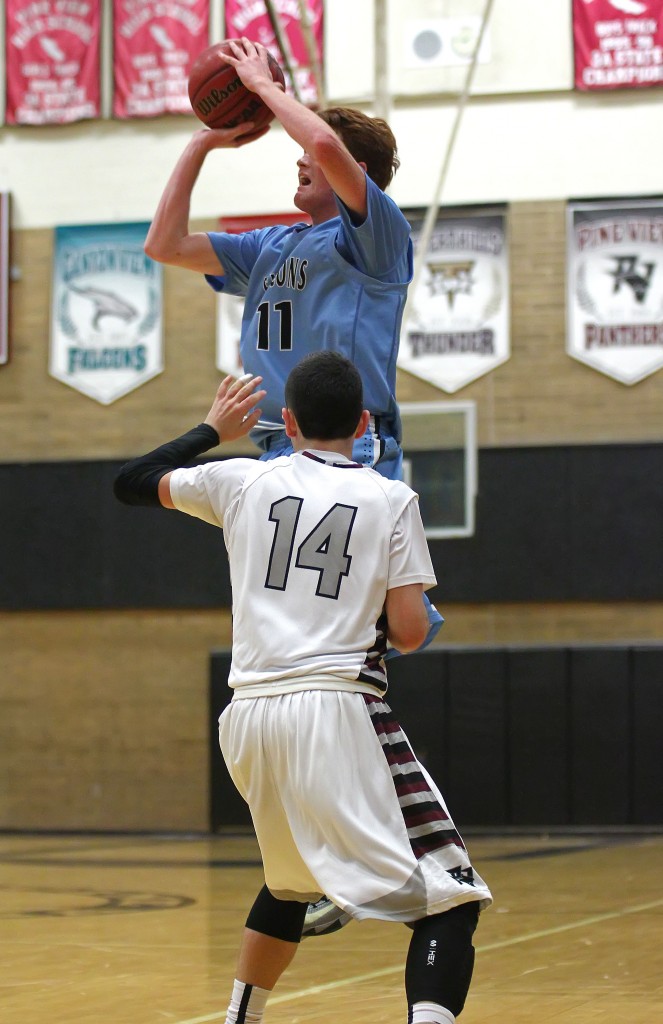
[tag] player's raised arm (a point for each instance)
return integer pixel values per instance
(169, 239)
(344, 174)
(234, 412)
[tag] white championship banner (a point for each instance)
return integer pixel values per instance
(106, 320)
(456, 326)
(615, 287)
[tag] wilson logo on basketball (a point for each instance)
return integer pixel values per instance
(206, 104)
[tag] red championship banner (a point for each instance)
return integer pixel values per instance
(52, 61)
(278, 25)
(154, 45)
(4, 276)
(618, 43)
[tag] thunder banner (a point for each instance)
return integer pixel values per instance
(154, 46)
(618, 43)
(253, 20)
(52, 58)
(106, 337)
(615, 287)
(457, 321)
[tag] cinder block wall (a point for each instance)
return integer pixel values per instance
(105, 720)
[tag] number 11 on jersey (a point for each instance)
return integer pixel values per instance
(282, 310)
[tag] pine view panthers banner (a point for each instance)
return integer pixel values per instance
(615, 287)
(457, 321)
(106, 321)
(618, 43)
(252, 19)
(154, 46)
(52, 58)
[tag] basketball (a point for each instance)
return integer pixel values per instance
(218, 96)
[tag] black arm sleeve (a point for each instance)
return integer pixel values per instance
(137, 483)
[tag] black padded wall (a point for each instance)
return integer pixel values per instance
(550, 736)
(553, 524)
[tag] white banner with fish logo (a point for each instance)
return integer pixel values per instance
(106, 321)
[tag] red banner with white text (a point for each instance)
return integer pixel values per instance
(52, 60)
(302, 41)
(618, 43)
(154, 46)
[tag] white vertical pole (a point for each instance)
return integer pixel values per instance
(382, 104)
(431, 213)
(311, 50)
(284, 46)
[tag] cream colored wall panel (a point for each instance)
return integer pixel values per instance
(107, 171)
(431, 43)
(531, 148)
(349, 50)
(517, 148)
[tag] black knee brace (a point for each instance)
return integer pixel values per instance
(281, 919)
(440, 959)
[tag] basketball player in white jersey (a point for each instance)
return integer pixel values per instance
(328, 562)
(339, 283)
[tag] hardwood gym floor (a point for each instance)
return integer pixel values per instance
(143, 930)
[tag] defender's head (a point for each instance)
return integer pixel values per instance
(325, 395)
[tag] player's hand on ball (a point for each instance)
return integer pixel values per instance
(235, 408)
(251, 62)
(231, 138)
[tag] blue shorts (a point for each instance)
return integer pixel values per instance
(382, 453)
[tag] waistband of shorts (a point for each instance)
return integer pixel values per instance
(269, 440)
(299, 684)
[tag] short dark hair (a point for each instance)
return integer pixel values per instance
(325, 395)
(369, 139)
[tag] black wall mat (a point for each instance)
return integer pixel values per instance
(647, 734)
(600, 735)
(529, 737)
(227, 808)
(553, 524)
(539, 770)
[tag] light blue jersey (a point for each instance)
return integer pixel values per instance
(335, 286)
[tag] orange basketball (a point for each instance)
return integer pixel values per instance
(218, 96)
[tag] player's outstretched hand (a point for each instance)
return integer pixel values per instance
(251, 62)
(235, 408)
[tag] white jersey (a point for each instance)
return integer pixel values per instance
(314, 543)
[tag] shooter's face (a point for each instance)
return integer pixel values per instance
(314, 194)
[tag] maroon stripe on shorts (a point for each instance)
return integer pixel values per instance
(424, 816)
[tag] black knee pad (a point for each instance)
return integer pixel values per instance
(440, 959)
(281, 919)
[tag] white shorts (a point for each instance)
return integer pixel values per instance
(341, 806)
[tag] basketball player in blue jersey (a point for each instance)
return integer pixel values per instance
(338, 284)
(318, 546)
